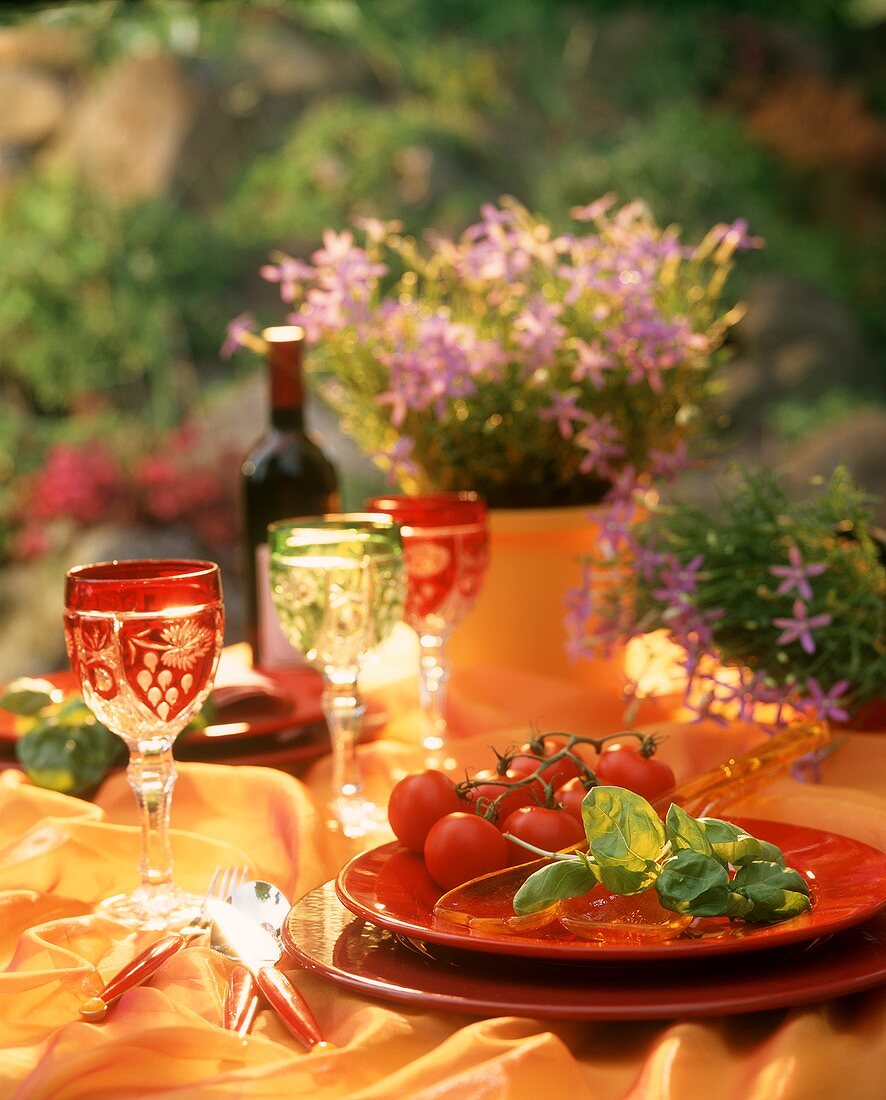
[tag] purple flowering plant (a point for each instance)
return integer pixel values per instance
(535, 368)
(770, 600)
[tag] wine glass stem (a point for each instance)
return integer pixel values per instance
(433, 682)
(151, 775)
(343, 709)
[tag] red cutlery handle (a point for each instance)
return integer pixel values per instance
(289, 1005)
(135, 971)
(241, 1001)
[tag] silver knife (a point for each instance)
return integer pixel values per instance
(243, 939)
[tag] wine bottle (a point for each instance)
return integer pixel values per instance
(284, 475)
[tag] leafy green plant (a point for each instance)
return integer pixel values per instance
(686, 860)
(771, 600)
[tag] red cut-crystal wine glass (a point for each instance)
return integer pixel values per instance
(445, 540)
(144, 639)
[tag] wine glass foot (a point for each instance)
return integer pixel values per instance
(357, 817)
(162, 908)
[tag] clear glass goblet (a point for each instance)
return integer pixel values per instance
(445, 540)
(338, 586)
(144, 639)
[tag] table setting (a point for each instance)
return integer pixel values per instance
(498, 862)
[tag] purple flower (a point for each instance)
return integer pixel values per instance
(235, 329)
(825, 703)
(600, 440)
(800, 627)
(537, 332)
(592, 362)
(564, 410)
(593, 210)
(678, 582)
(399, 457)
(668, 464)
(796, 575)
(288, 273)
(736, 235)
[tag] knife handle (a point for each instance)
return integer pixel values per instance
(136, 971)
(289, 1005)
(241, 1001)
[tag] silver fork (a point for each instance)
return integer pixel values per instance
(139, 969)
(222, 884)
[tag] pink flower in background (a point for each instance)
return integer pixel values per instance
(82, 482)
(289, 273)
(601, 442)
(827, 703)
(564, 409)
(800, 627)
(238, 327)
(797, 574)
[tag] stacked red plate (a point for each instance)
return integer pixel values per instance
(374, 931)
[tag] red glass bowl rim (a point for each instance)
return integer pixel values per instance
(162, 571)
(422, 509)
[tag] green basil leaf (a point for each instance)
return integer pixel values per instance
(630, 830)
(25, 701)
(692, 882)
(730, 843)
(771, 904)
(769, 874)
(72, 759)
(683, 831)
(771, 853)
(561, 879)
(625, 837)
(737, 905)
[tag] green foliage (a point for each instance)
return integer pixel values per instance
(687, 861)
(100, 300)
(64, 748)
(347, 157)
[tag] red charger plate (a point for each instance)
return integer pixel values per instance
(329, 940)
(390, 887)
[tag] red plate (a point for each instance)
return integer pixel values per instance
(329, 940)
(390, 887)
(291, 702)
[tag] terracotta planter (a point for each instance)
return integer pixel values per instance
(518, 621)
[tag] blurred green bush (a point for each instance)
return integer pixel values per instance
(112, 316)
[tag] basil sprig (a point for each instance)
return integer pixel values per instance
(687, 861)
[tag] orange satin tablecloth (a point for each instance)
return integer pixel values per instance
(58, 856)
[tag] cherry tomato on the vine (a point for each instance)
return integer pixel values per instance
(526, 763)
(547, 829)
(570, 797)
(417, 802)
(463, 846)
(623, 766)
(496, 786)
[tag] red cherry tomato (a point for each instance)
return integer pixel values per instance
(496, 786)
(570, 797)
(623, 766)
(418, 801)
(547, 829)
(463, 846)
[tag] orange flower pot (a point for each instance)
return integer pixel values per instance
(519, 619)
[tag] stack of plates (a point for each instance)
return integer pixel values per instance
(373, 931)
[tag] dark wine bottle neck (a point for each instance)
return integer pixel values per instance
(287, 389)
